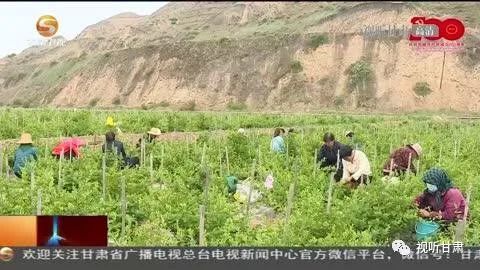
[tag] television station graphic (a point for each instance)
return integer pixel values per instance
(434, 34)
(53, 231)
(47, 26)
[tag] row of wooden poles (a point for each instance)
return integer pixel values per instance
(207, 178)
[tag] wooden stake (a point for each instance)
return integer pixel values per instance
(201, 226)
(151, 167)
(391, 168)
(46, 150)
(7, 168)
(32, 190)
(123, 207)
(409, 163)
(440, 155)
(142, 152)
(1, 159)
(104, 178)
(60, 180)
(288, 212)
(443, 67)
(330, 191)
(39, 203)
(163, 154)
(204, 150)
(228, 163)
(455, 150)
(461, 226)
(251, 188)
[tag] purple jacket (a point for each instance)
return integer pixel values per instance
(453, 204)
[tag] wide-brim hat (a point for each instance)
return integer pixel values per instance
(154, 131)
(348, 132)
(25, 138)
(417, 148)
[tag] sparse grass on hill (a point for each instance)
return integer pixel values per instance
(296, 67)
(233, 106)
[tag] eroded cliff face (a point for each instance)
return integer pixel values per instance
(265, 56)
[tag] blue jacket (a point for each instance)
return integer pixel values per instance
(23, 154)
(278, 145)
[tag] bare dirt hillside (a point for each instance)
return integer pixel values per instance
(256, 55)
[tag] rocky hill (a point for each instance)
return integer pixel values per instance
(256, 55)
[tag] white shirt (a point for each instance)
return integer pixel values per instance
(358, 167)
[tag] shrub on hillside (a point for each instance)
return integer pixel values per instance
(422, 89)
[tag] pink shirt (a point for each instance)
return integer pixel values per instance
(453, 204)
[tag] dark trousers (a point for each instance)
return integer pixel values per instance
(18, 174)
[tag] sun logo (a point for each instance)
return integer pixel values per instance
(47, 25)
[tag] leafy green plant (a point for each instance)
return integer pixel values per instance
(359, 73)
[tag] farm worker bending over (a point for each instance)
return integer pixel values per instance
(400, 160)
(440, 200)
(278, 144)
(356, 167)
(24, 153)
(111, 143)
(353, 141)
(151, 136)
(69, 148)
(328, 154)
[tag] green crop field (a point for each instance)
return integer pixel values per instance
(163, 196)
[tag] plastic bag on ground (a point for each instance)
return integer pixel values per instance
(243, 192)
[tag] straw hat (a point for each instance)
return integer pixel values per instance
(417, 148)
(25, 138)
(154, 131)
(348, 132)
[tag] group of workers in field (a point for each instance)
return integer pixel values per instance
(347, 163)
(350, 166)
(70, 148)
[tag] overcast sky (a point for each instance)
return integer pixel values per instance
(18, 19)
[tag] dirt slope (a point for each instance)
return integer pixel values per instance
(261, 55)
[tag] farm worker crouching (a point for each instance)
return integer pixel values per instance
(401, 159)
(356, 167)
(277, 144)
(150, 137)
(111, 143)
(440, 200)
(69, 148)
(353, 141)
(24, 153)
(328, 155)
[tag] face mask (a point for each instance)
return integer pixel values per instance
(431, 188)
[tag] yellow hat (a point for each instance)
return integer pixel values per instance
(25, 138)
(110, 122)
(154, 131)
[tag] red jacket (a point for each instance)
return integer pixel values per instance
(69, 145)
